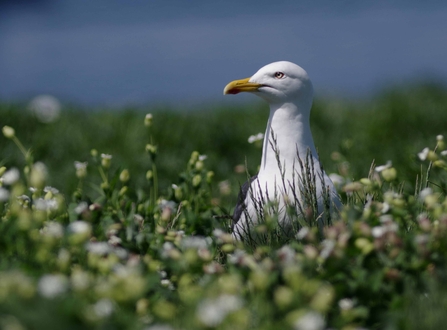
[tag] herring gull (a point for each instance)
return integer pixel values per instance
(289, 164)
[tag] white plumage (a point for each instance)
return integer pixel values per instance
(287, 140)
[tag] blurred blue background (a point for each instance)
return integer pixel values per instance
(116, 53)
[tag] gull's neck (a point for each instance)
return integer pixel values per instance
(289, 124)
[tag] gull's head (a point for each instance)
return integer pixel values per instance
(277, 82)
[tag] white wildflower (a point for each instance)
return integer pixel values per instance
(23, 198)
(80, 165)
(328, 247)
(80, 227)
(385, 207)
(196, 242)
(422, 239)
(211, 312)
(202, 157)
(148, 120)
(82, 206)
(286, 254)
(171, 205)
(81, 169)
(439, 138)
(120, 252)
(254, 138)
(11, 176)
(378, 231)
(46, 204)
(337, 180)
(80, 280)
(423, 154)
(138, 219)
(51, 286)
(237, 256)
(310, 321)
(54, 191)
(386, 218)
(212, 268)
(388, 164)
(167, 284)
(106, 160)
(46, 108)
(103, 308)
(388, 227)
(302, 233)
(63, 257)
(218, 233)
(346, 304)
(444, 153)
(114, 240)
(99, 248)
(167, 248)
(225, 187)
(53, 229)
(392, 227)
(425, 193)
(4, 194)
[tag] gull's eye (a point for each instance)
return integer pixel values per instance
(279, 75)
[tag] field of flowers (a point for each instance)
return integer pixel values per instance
(119, 220)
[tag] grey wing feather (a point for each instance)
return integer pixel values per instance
(240, 206)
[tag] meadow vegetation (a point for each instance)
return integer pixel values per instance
(118, 219)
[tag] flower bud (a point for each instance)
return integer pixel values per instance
(432, 156)
(194, 158)
(106, 160)
(439, 163)
(124, 176)
(365, 181)
(199, 165)
(81, 169)
(259, 279)
(389, 174)
(8, 132)
(38, 175)
(94, 152)
(149, 175)
(227, 248)
(142, 306)
(148, 120)
(283, 296)
(364, 245)
(151, 149)
(123, 191)
(209, 176)
(178, 193)
(79, 231)
(196, 180)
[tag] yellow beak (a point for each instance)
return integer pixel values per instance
(241, 85)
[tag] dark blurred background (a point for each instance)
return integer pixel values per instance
(116, 53)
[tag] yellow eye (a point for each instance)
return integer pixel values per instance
(279, 75)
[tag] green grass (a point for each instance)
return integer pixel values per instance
(379, 267)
